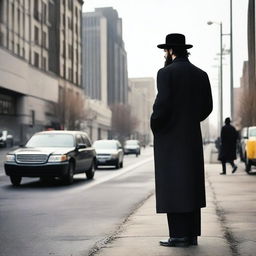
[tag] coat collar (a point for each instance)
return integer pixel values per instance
(181, 59)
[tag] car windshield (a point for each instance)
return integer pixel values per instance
(131, 142)
(51, 140)
(105, 144)
(252, 132)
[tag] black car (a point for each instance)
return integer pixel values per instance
(52, 154)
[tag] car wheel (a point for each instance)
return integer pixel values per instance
(15, 180)
(117, 164)
(90, 173)
(69, 177)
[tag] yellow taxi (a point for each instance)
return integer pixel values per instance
(248, 144)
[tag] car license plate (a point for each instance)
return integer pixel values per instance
(102, 160)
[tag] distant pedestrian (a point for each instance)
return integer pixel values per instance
(228, 147)
(184, 99)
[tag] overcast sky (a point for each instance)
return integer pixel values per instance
(146, 23)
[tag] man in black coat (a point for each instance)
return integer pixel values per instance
(184, 99)
(227, 154)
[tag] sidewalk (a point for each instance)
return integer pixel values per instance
(228, 222)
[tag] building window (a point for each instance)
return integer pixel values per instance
(64, 71)
(1, 38)
(70, 75)
(24, 25)
(13, 46)
(63, 49)
(12, 16)
(63, 20)
(70, 52)
(70, 4)
(19, 22)
(18, 49)
(44, 7)
(36, 12)
(76, 28)
(1, 11)
(44, 39)
(69, 24)
(36, 59)
(36, 35)
(7, 106)
(44, 63)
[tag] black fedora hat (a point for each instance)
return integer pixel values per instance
(177, 40)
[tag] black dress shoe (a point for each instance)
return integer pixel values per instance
(193, 240)
(176, 242)
(234, 169)
(222, 173)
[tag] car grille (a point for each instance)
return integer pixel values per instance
(31, 158)
(104, 156)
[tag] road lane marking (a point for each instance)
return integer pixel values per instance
(109, 177)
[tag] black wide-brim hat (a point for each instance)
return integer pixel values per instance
(175, 40)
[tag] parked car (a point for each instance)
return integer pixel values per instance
(132, 147)
(52, 154)
(109, 152)
(6, 139)
(248, 147)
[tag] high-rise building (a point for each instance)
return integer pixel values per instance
(40, 52)
(94, 31)
(141, 99)
(117, 76)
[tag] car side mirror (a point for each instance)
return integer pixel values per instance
(80, 145)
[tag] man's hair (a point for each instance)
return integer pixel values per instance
(180, 52)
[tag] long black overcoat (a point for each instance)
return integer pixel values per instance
(184, 99)
(228, 145)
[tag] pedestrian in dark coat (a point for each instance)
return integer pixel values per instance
(184, 99)
(227, 154)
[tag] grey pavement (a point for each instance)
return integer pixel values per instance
(228, 221)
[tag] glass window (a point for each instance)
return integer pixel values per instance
(36, 59)
(51, 140)
(36, 35)
(79, 139)
(86, 140)
(105, 144)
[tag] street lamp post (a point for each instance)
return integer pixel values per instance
(231, 64)
(221, 74)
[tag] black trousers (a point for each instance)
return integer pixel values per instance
(224, 165)
(184, 224)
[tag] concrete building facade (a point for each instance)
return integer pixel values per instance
(94, 32)
(141, 98)
(40, 51)
(117, 75)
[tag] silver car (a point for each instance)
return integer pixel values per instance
(109, 152)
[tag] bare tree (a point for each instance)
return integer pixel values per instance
(70, 109)
(123, 123)
(248, 107)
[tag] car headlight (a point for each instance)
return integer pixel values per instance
(114, 155)
(10, 158)
(57, 158)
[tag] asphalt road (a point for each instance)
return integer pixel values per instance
(51, 219)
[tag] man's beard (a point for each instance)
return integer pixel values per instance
(168, 60)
